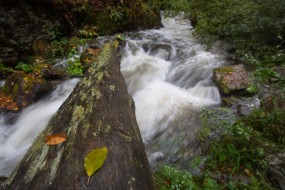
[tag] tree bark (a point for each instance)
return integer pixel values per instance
(99, 112)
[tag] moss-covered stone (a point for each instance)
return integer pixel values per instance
(25, 88)
(48, 72)
(231, 79)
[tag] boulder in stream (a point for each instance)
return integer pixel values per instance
(25, 88)
(48, 72)
(230, 79)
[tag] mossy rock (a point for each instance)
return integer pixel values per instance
(24, 89)
(49, 72)
(230, 100)
(231, 79)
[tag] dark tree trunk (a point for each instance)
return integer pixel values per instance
(98, 113)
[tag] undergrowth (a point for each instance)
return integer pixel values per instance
(233, 153)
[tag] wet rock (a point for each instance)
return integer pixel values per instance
(243, 110)
(276, 171)
(162, 51)
(231, 79)
(178, 143)
(49, 72)
(25, 88)
(246, 105)
(230, 100)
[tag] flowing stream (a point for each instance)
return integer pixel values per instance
(169, 75)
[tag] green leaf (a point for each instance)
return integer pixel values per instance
(94, 160)
(252, 89)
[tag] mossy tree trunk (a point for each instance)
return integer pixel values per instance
(99, 112)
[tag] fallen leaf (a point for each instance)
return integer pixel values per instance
(94, 160)
(247, 172)
(56, 139)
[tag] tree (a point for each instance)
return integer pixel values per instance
(99, 112)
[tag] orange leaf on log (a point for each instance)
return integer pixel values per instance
(56, 139)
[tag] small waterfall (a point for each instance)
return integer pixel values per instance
(169, 75)
(16, 139)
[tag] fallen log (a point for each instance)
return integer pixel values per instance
(98, 113)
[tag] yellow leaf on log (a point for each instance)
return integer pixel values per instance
(94, 160)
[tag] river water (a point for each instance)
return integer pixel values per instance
(169, 75)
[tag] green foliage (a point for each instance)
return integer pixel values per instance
(64, 47)
(173, 7)
(73, 52)
(87, 34)
(238, 145)
(264, 74)
(88, 31)
(25, 67)
(75, 67)
(252, 89)
(233, 149)
(120, 37)
(170, 178)
(255, 30)
(59, 47)
(270, 124)
(229, 155)
(82, 42)
(116, 14)
(210, 184)
(1, 65)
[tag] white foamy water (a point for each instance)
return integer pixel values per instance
(167, 71)
(17, 138)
